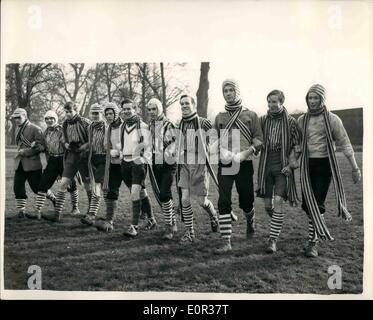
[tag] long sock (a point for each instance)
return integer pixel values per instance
(95, 204)
(136, 207)
(147, 207)
(209, 208)
(111, 205)
(311, 231)
(40, 200)
(75, 198)
(225, 222)
(60, 200)
(188, 217)
(21, 205)
(50, 195)
(167, 208)
(276, 225)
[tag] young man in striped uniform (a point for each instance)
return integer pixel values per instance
(278, 159)
(136, 154)
(96, 161)
(163, 168)
(53, 146)
(75, 136)
(194, 167)
(113, 176)
(27, 163)
(322, 131)
(241, 128)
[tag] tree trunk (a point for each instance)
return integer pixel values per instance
(163, 90)
(203, 89)
(130, 80)
(143, 93)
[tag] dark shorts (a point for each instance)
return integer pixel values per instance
(75, 162)
(164, 175)
(275, 182)
(133, 173)
(115, 180)
(53, 170)
(98, 167)
(20, 178)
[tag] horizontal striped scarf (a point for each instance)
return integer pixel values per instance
(20, 138)
(96, 134)
(52, 137)
(234, 111)
(198, 124)
(114, 125)
(289, 136)
(315, 215)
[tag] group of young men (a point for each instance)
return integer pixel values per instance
(101, 153)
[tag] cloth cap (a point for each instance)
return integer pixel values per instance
(19, 112)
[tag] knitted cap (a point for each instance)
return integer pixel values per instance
(112, 106)
(157, 103)
(95, 108)
(318, 89)
(234, 84)
(51, 114)
(19, 112)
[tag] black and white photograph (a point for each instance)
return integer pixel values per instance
(185, 149)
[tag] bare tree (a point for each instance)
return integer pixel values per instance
(203, 89)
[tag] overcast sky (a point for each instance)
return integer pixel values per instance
(287, 45)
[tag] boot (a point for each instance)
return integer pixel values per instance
(168, 234)
(271, 246)
(88, 219)
(34, 215)
(131, 231)
(226, 247)
(104, 225)
(311, 250)
(53, 217)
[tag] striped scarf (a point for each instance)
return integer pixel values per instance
(114, 125)
(166, 125)
(96, 135)
(20, 138)
(234, 111)
(197, 123)
(52, 137)
(315, 215)
(289, 136)
(74, 130)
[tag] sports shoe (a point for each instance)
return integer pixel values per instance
(271, 246)
(21, 215)
(54, 217)
(214, 224)
(34, 215)
(75, 211)
(131, 231)
(168, 234)
(226, 247)
(311, 250)
(151, 224)
(188, 237)
(104, 225)
(88, 219)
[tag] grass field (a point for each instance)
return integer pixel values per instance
(75, 257)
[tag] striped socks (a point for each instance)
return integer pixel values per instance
(21, 205)
(111, 205)
(136, 207)
(311, 231)
(75, 198)
(60, 200)
(276, 225)
(225, 222)
(167, 208)
(94, 205)
(146, 207)
(40, 200)
(188, 218)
